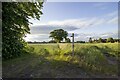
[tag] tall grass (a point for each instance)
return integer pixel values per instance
(87, 56)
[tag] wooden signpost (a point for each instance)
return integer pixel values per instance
(72, 44)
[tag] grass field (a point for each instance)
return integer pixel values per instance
(56, 60)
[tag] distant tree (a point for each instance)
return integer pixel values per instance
(58, 35)
(95, 40)
(52, 41)
(116, 40)
(104, 40)
(110, 40)
(44, 42)
(67, 40)
(100, 40)
(90, 40)
(80, 41)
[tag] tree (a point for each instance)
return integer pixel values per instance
(15, 25)
(110, 40)
(100, 40)
(90, 40)
(58, 35)
(67, 40)
(116, 40)
(95, 40)
(52, 41)
(80, 41)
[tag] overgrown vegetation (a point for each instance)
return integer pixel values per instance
(90, 57)
(15, 24)
(97, 60)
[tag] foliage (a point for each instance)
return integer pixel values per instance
(15, 24)
(67, 40)
(58, 35)
(80, 41)
(110, 40)
(100, 40)
(90, 40)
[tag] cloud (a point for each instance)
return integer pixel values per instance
(112, 14)
(37, 37)
(72, 24)
(46, 29)
(100, 5)
(113, 17)
(40, 32)
(113, 21)
(85, 37)
(68, 25)
(109, 34)
(79, 23)
(78, 37)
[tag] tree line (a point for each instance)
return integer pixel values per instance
(100, 40)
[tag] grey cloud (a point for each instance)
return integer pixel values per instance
(45, 29)
(37, 37)
(110, 34)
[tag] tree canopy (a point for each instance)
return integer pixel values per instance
(67, 40)
(15, 24)
(110, 39)
(58, 35)
(100, 40)
(90, 40)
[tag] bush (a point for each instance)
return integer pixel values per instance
(43, 51)
(30, 49)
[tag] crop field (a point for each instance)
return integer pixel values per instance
(57, 61)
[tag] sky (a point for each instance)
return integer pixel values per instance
(84, 19)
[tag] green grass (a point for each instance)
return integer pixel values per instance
(55, 58)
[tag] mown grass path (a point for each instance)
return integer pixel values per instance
(36, 67)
